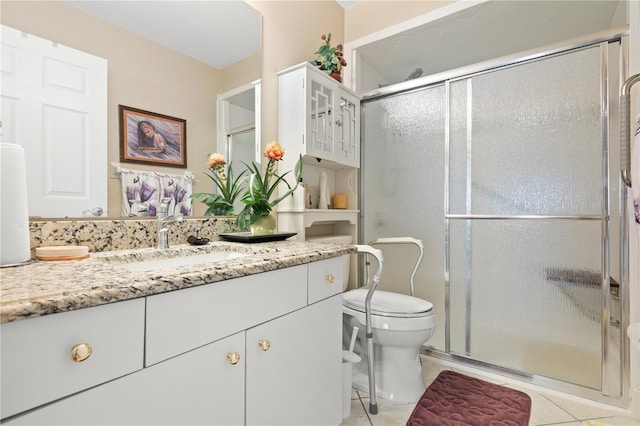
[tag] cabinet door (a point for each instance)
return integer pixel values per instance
(320, 107)
(199, 387)
(347, 130)
(296, 380)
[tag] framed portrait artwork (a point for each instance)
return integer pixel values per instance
(151, 138)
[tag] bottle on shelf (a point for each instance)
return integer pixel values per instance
(307, 196)
(323, 200)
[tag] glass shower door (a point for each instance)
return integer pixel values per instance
(509, 176)
(403, 179)
(528, 217)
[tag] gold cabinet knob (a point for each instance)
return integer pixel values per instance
(233, 357)
(264, 344)
(80, 352)
(330, 278)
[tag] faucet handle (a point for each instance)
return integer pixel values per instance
(164, 206)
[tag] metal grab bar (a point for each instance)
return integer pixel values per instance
(373, 403)
(404, 240)
(625, 129)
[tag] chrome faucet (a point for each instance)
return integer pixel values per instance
(164, 221)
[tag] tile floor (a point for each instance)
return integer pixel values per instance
(548, 407)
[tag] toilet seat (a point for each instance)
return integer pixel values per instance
(388, 304)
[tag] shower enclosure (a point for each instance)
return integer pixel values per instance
(510, 175)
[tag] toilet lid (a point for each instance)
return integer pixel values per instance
(387, 303)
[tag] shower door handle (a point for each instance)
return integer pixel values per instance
(625, 130)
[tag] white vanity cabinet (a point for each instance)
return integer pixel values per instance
(292, 367)
(318, 117)
(47, 358)
(199, 387)
(260, 349)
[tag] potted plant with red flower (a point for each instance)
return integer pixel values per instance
(330, 59)
(257, 197)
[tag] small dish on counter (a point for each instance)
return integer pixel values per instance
(62, 253)
(247, 237)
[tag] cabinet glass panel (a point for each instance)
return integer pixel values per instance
(347, 129)
(321, 121)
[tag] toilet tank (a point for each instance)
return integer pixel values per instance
(337, 239)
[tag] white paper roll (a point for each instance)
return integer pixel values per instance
(14, 215)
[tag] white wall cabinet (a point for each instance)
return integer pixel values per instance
(211, 368)
(319, 119)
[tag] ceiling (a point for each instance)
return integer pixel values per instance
(486, 31)
(217, 33)
(231, 31)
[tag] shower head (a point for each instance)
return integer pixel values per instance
(414, 74)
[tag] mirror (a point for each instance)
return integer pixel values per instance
(219, 45)
(239, 128)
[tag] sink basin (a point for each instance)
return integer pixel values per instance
(175, 262)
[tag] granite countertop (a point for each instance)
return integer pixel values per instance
(47, 287)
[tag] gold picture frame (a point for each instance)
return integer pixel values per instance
(151, 138)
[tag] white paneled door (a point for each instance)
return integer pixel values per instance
(54, 104)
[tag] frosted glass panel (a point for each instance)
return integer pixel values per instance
(321, 121)
(528, 139)
(403, 150)
(528, 301)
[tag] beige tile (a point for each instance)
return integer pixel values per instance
(431, 369)
(582, 409)
(361, 393)
(358, 415)
(547, 409)
(390, 414)
(545, 412)
(611, 421)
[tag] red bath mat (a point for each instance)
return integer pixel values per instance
(455, 399)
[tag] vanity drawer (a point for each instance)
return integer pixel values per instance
(183, 320)
(37, 366)
(326, 278)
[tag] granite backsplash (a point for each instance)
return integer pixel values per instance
(121, 234)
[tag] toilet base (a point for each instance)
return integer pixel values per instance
(398, 374)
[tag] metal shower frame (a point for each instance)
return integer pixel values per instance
(602, 38)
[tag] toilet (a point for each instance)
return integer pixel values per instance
(401, 324)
